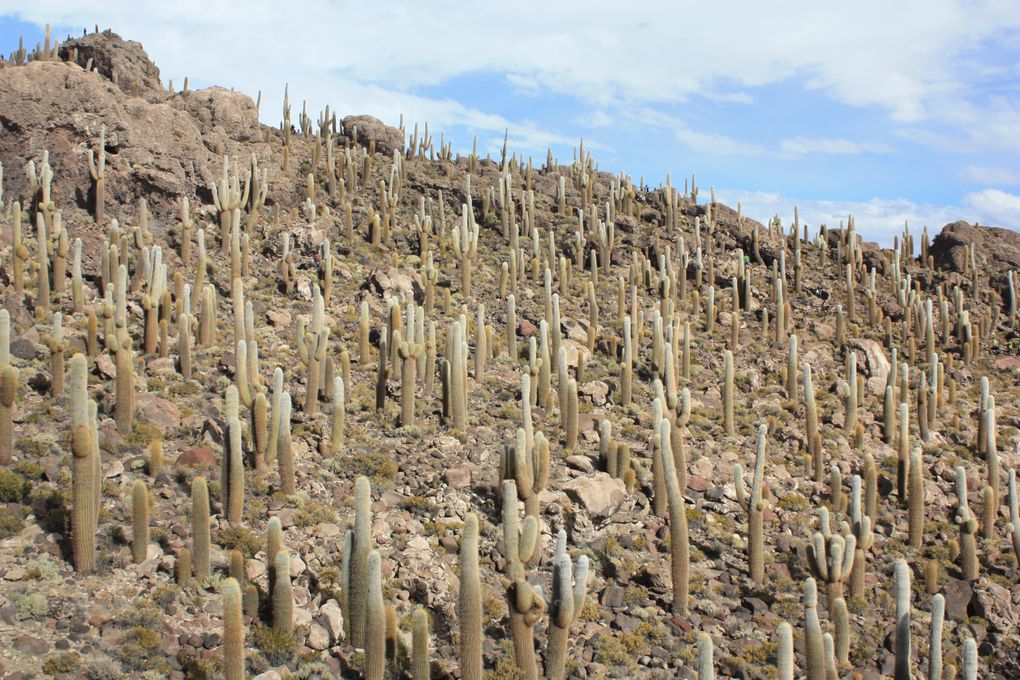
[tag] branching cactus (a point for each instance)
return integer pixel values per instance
(568, 592)
(409, 353)
(754, 504)
(9, 390)
(679, 540)
(968, 524)
(97, 169)
(528, 468)
(831, 557)
(469, 602)
(465, 245)
(527, 607)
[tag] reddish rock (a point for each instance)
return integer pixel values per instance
(199, 456)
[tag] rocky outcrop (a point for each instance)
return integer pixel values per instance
(159, 146)
(123, 62)
(997, 251)
(372, 129)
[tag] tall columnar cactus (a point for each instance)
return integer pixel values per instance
(916, 499)
(272, 446)
(814, 650)
(139, 521)
(627, 365)
(457, 377)
(968, 524)
(233, 631)
(19, 252)
(706, 666)
(356, 553)
(84, 482)
(727, 392)
(200, 527)
(938, 611)
(469, 602)
(754, 505)
(465, 246)
(568, 592)
(784, 652)
(1014, 517)
(375, 627)
(97, 169)
(409, 352)
(338, 416)
(283, 594)
(8, 390)
(902, 632)
(420, 665)
(284, 452)
(42, 293)
(528, 466)
(124, 408)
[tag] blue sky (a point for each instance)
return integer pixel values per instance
(887, 111)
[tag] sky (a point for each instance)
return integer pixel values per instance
(889, 111)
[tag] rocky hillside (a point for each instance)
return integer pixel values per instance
(327, 400)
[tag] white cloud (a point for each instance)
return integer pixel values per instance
(879, 219)
(803, 146)
(989, 175)
(998, 208)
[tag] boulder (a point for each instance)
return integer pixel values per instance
(370, 129)
(599, 494)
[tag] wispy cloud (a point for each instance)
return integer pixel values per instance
(803, 146)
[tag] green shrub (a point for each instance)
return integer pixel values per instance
(13, 487)
(31, 606)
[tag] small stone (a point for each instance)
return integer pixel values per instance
(333, 618)
(699, 484)
(582, 463)
(318, 637)
(458, 477)
(612, 597)
(958, 594)
(279, 318)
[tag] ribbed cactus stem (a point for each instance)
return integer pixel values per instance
(375, 628)
(727, 392)
(8, 391)
(272, 446)
(970, 659)
(420, 665)
(814, 649)
(124, 408)
(85, 484)
(916, 499)
(902, 632)
(469, 602)
(200, 527)
(233, 631)
(679, 539)
(938, 612)
(139, 521)
(361, 540)
(706, 666)
(338, 416)
(841, 629)
(285, 454)
(568, 593)
(784, 652)
(283, 594)
(1014, 516)
(968, 528)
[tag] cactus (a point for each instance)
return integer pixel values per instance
(968, 524)
(706, 668)
(1014, 517)
(831, 557)
(338, 416)
(283, 595)
(139, 521)
(469, 602)
(84, 481)
(184, 567)
(727, 392)
(902, 633)
(235, 566)
(200, 527)
(970, 659)
(409, 352)
(124, 408)
(814, 650)
(284, 453)
(356, 559)
(784, 652)
(233, 631)
(754, 505)
(420, 666)
(938, 610)
(9, 390)
(568, 593)
(375, 627)
(916, 499)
